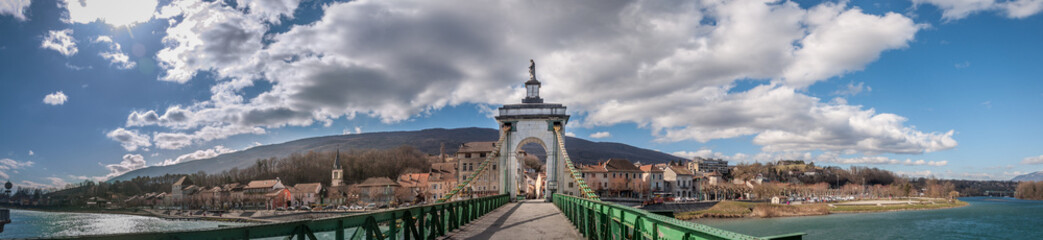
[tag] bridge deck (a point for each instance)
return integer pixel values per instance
(532, 219)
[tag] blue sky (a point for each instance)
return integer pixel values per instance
(90, 91)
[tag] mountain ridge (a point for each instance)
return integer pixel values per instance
(1036, 176)
(428, 141)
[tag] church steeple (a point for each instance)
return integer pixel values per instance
(336, 160)
(532, 87)
(337, 172)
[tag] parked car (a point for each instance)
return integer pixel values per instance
(280, 209)
(306, 208)
(342, 207)
(371, 206)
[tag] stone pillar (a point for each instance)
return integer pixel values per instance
(552, 169)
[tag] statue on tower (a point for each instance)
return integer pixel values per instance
(532, 87)
(532, 69)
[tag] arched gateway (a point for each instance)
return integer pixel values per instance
(532, 121)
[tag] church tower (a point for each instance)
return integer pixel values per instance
(338, 172)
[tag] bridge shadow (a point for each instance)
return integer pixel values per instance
(527, 221)
(488, 233)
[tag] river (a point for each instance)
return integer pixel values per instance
(984, 218)
(37, 224)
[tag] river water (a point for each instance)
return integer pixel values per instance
(985, 218)
(36, 224)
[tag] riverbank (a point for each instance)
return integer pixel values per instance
(891, 206)
(733, 209)
(163, 214)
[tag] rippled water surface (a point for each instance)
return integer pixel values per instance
(26, 224)
(985, 218)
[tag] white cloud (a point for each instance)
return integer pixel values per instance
(357, 130)
(780, 118)
(177, 140)
(601, 135)
(15, 8)
(57, 98)
(130, 162)
(1021, 8)
(115, 53)
(61, 41)
(853, 89)
(364, 57)
(570, 134)
(841, 41)
(113, 12)
(209, 36)
(955, 10)
(1033, 160)
(879, 160)
(703, 153)
(131, 140)
(199, 154)
(12, 165)
(31, 153)
(269, 10)
(924, 173)
(57, 182)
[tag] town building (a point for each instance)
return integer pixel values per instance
(469, 157)
(654, 177)
(699, 164)
(378, 190)
(680, 182)
(177, 191)
(614, 178)
(442, 180)
(306, 194)
(266, 194)
(414, 187)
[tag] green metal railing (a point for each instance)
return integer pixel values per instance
(420, 222)
(601, 220)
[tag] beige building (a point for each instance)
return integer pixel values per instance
(699, 164)
(442, 180)
(680, 181)
(614, 178)
(305, 194)
(654, 177)
(414, 187)
(468, 158)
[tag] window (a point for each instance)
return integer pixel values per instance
(467, 155)
(604, 175)
(494, 166)
(570, 184)
(481, 155)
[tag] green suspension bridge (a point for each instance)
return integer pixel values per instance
(571, 209)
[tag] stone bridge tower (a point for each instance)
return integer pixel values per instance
(532, 121)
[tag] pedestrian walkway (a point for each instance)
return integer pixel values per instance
(530, 219)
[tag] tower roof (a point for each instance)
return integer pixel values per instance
(336, 160)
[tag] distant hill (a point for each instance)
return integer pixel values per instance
(1036, 176)
(428, 141)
